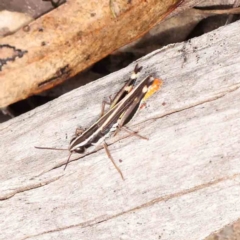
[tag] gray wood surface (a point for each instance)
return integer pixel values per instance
(181, 184)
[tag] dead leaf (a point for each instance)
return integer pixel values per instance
(71, 38)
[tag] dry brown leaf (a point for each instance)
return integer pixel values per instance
(69, 39)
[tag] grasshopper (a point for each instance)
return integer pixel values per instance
(122, 109)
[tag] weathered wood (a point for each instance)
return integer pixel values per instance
(71, 38)
(181, 184)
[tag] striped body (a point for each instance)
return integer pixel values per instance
(127, 87)
(122, 109)
(120, 114)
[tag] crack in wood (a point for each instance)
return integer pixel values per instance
(63, 72)
(220, 95)
(105, 218)
(27, 188)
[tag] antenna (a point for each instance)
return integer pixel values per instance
(49, 148)
(68, 160)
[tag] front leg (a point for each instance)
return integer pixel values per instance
(79, 131)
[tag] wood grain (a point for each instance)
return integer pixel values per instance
(181, 184)
(71, 38)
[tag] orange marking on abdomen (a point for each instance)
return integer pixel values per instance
(157, 83)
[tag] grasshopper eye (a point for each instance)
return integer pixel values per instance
(80, 150)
